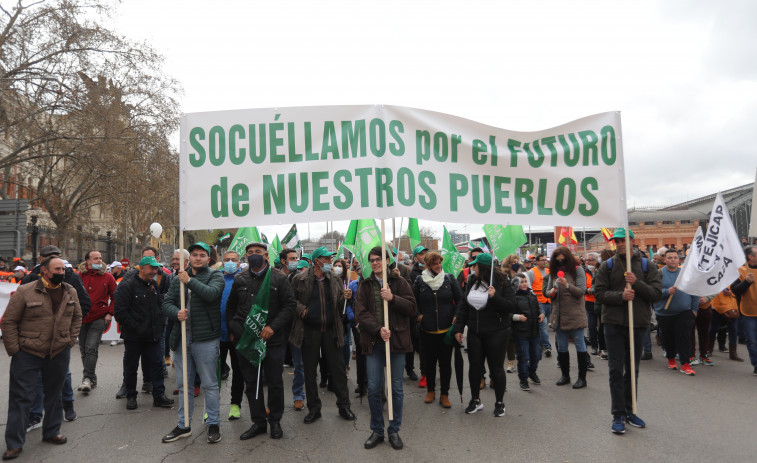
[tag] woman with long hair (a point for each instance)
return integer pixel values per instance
(566, 287)
(486, 310)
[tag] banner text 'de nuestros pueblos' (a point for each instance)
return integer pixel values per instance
(310, 164)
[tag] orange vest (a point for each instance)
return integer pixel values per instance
(538, 284)
(589, 279)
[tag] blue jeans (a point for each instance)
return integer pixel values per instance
(750, 332)
(67, 394)
(202, 359)
(562, 339)
(374, 367)
(648, 340)
(546, 308)
(528, 352)
(298, 381)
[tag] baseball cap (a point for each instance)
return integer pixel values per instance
(322, 252)
(483, 258)
(620, 233)
(200, 245)
(419, 249)
(149, 260)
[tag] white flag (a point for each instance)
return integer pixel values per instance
(292, 239)
(714, 259)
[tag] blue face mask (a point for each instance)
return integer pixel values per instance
(327, 267)
(230, 267)
(97, 266)
(292, 266)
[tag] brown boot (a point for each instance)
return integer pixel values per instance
(444, 401)
(430, 396)
(483, 384)
(732, 354)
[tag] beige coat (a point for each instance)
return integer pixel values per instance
(568, 307)
(29, 323)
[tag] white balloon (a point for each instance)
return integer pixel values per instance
(156, 230)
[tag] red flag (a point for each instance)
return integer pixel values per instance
(567, 236)
(606, 234)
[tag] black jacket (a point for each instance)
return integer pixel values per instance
(137, 310)
(280, 308)
(495, 315)
(437, 307)
(73, 279)
(526, 304)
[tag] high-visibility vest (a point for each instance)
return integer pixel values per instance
(538, 284)
(589, 279)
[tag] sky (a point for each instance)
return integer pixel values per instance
(683, 74)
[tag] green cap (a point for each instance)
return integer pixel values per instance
(302, 264)
(306, 256)
(322, 252)
(483, 258)
(276, 261)
(149, 260)
(621, 233)
(200, 245)
(419, 249)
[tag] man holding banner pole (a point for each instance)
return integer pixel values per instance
(624, 294)
(203, 288)
(377, 334)
(281, 305)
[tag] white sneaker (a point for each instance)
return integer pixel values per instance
(35, 423)
(86, 386)
(114, 343)
(510, 366)
(694, 361)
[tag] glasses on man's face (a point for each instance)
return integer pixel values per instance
(377, 260)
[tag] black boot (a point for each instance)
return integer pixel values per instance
(582, 367)
(564, 359)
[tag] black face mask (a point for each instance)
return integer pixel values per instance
(255, 260)
(57, 278)
(560, 262)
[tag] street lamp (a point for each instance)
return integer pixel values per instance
(35, 234)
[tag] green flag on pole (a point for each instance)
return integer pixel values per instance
(414, 233)
(504, 240)
(453, 261)
(362, 236)
(250, 346)
(275, 247)
(292, 239)
(244, 236)
(228, 235)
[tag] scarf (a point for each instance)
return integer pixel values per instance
(434, 282)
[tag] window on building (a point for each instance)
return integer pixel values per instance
(649, 223)
(633, 224)
(684, 222)
(668, 222)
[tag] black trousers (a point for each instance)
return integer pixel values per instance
(272, 368)
(237, 377)
(492, 345)
(676, 335)
(435, 350)
(362, 377)
(314, 344)
(619, 365)
(152, 363)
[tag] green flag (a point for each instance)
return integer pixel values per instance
(250, 346)
(275, 248)
(504, 240)
(362, 236)
(453, 261)
(228, 235)
(292, 239)
(244, 236)
(339, 252)
(414, 233)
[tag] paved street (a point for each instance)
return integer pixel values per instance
(710, 417)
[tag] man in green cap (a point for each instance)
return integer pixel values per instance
(318, 330)
(137, 310)
(203, 289)
(614, 285)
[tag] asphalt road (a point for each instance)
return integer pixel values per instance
(709, 417)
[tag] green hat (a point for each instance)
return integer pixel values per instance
(276, 261)
(322, 252)
(419, 249)
(306, 256)
(621, 233)
(149, 260)
(483, 258)
(302, 264)
(394, 251)
(200, 245)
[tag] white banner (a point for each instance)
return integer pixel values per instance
(309, 164)
(6, 291)
(753, 218)
(714, 260)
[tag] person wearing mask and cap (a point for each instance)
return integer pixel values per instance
(117, 270)
(247, 284)
(137, 310)
(203, 289)
(614, 286)
(230, 269)
(318, 330)
(291, 267)
(18, 274)
(100, 286)
(39, 327)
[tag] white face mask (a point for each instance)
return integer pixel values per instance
(338, 270)
(590, 267)
(472, 272)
